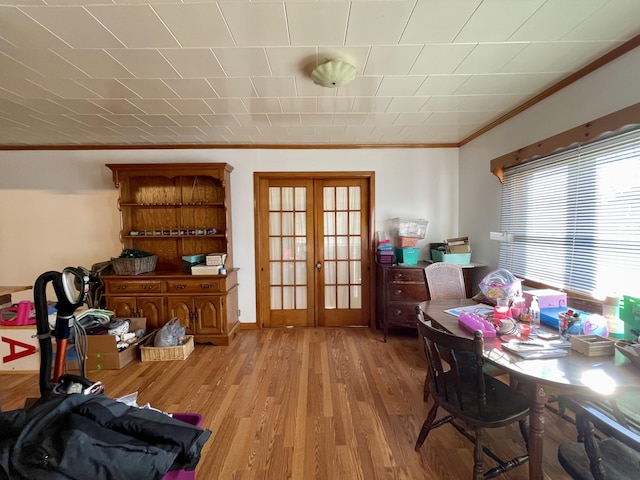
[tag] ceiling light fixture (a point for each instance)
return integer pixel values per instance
(333, 73)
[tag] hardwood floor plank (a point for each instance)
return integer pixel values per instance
(307, 404)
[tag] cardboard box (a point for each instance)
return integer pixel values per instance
(19, 349)
(547, 298)
(102, 351)
(458, 245)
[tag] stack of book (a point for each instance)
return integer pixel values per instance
(385, 252)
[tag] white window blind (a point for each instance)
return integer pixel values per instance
(573, 218)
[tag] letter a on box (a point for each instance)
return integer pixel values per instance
(15, 354)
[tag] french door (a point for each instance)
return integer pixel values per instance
(313, 240)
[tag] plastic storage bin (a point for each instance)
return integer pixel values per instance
(407, 256)
(192, 419)
(630, 315)
(456, 258)
(406, 227)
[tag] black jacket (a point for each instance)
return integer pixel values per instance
(94, 437)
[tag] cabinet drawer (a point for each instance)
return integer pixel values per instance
(402, 314)
(208, 285)
(134, 286)
(406, 292)
(414, 275)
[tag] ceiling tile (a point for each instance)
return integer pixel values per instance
(256, 24)
(349, 118)
(94, 62)
(317, 23)
(136, 26)
(66, 88)
(44, 106)
(441, 84)
(144, 63)
(45, 62)
(117, 106)
(390, 60)
(496, 20)
(193, 62)
(506, 83)
(299, 105)
(22, 31)
(370, 104)
(377, 22)
(106, 88)
(196, 25)
(380, 119)
(86, 31)
(434, 59)
(407, 104)
(361, 86)
(243, 62)
(556, 56)
(148, 88)
(232, 87)
(191, 87)
(189, 120)
(284, 119)
(553, 20)
(153, 106)
(157, 120)
(226, 105)
(489, 58)
(335, 104)
(126, 120)
(392, 85)
(11, 68)
(316, 119)
(81, 106)
(92, 120)
(195, 106)
(616, 20)
(263, 105)
(21, 87)
(217, 120)
(438, 21)
(290, 61)
(274, 86)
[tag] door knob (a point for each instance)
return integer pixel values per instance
(318, 266)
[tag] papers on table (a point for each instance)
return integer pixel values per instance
(532, 350)
(479, 308)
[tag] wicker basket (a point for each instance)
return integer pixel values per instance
(163, 354)
(134, 266)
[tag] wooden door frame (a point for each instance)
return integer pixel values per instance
(369, 176)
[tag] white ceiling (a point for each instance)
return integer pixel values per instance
(236, 72)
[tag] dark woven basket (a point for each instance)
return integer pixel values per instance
(134, 266)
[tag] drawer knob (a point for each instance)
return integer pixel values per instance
(397, 312)
(180, 287)
(147, 287)
(397, 292)
(397, 276)
(206, 285)
(121, 287)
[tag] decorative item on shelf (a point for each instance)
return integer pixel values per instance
(333, 73)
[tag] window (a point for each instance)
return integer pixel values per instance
(573, 218)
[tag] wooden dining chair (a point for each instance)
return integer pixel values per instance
(468, 395)
(444, 281)
(615, 455)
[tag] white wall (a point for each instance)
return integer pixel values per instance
(607, 90)
(59, 208)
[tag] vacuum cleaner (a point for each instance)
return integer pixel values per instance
(71, 287)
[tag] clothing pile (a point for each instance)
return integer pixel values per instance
(78, 436)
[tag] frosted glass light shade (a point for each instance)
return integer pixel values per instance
(333, 73)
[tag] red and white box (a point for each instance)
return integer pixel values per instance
(547, 298)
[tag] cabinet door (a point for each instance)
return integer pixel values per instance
(210, 314)
(122, 306)
(182, 307)
(152, 309)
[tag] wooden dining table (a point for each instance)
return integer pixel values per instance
(605, 376)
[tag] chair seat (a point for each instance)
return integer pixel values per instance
(619, 461)
(504, 405)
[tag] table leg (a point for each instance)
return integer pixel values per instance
(539, 399)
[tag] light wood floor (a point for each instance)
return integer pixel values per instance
(309, 403)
